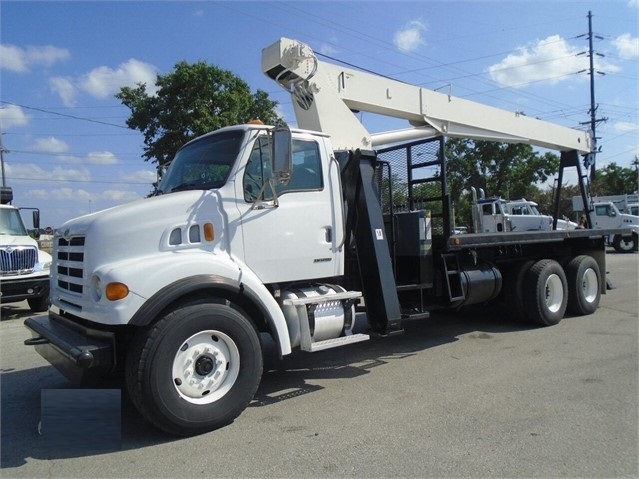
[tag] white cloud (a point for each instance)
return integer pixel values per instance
(65, 88)
(75, 195)
(24, 171)
(92, 158)
(67, 174)
(327, 49)
(102, 158)
(20, 60)
(80, 195)
(33, 172)
(102, 82)
(633, 3)
(627, 46)
(50, 145)
(140, 176)
(70, 159)
(119, 196)
(409, 38)
(37, 194)
(12, 115)
(551, 60)
(626, 126)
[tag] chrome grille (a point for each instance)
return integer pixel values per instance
(70, 264)
(18, 259)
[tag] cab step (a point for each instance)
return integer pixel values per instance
(336, 342)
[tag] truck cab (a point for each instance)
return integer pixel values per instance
(606, 215)
(24, 272)
(496, 215)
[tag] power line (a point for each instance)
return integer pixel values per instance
(74, 117)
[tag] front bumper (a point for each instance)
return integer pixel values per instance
(79, 352)
(13, 290)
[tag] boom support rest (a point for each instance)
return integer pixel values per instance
(365, 223)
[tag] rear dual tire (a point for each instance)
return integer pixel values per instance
(545, 296)
(584, 285)
(541, 292)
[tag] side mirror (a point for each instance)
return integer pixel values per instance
(36, 219)
(282, 153)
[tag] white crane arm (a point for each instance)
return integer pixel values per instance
(326, 95)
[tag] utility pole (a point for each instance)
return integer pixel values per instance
(2, 150)
(590, 161)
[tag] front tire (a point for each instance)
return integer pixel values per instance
(625, 244)
(545, 296)
(38, 305)
(584, 285)
(196, 369)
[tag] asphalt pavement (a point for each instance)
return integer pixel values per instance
(472, 394)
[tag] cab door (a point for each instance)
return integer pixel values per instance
(290, 232)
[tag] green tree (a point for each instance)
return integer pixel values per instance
(191, 100)
(500, 169)
(613, 179)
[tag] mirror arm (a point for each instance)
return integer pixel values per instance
(259, 203)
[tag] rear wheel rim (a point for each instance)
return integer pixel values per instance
(554, 293)
(206, 367)
(590, 285)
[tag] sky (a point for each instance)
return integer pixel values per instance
(67, 149)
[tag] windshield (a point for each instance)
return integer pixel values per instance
(11, 223)
(203, 164)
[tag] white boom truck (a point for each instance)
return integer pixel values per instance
(24, 268)
(604, 214)
(266, 230)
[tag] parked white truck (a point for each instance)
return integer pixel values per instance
(262, 230)
(496, 215)
(604, 214)
(24, 268)
(626, 203)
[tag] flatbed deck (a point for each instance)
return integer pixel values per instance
(486, 240)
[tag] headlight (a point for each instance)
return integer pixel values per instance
(96, 288)
(46, 266)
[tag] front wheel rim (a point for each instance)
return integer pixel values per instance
(206, 367)
(554, 293)
(627, 244)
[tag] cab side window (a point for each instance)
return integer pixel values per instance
(307, 168)
(306, 174)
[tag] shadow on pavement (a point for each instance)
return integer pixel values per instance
(282, 380)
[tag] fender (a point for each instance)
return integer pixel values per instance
(174, 291)
(185, 286)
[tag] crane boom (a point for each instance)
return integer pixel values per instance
(326, 95)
